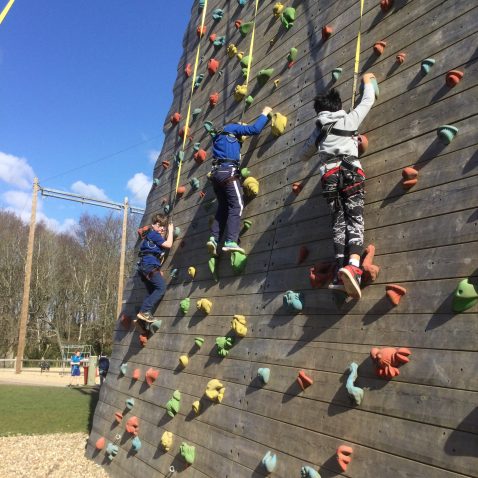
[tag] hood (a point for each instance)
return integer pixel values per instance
(326, 117)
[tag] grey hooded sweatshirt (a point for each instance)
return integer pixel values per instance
(339, 145)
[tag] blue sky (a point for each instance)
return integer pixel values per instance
(80, 80)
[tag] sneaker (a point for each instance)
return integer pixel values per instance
(337, 284)
(351, 276)
(232, 246)
(145, 317)
(212, 246)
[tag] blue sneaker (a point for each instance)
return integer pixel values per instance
(212, 246)
(232, 247)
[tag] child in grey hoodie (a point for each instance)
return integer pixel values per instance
(336, 139)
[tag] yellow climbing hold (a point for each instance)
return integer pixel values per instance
(184, 360)
(240, 92)
(276, 82)
(231, 50)
(196, 407)
(204, 305)
(279, 122)
(277, 9)
(215, 390)
(167, 441)
(251, 187)
(240, 55)
(239, 325)
(192, 271)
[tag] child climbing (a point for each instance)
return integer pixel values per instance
(336, 139)
(225, 179)
(151, 253)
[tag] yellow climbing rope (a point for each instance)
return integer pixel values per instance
(357, 57)
(6, 10)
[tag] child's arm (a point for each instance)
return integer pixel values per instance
(358, 114)
(249, 130)
(167, 244)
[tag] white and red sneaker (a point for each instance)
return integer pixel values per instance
(351, 277)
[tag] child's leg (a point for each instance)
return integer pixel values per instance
(338, 229)
(220, 219)
(353, 207)
(158, 286)
(235, 206)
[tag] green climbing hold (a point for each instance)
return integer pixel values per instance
(194, 182)
(212, 263)
(173, 273)
(199, 341)
(245, 61)
(209, 127)
(249, 100)
(136, 443)
(223, 345)
(179, 157)
(184, 305)
(426, 65)
(242, 2)
(188, 452)
(219, 41)
(201, 4)
(245, 172)
(264, 374)
(238, 262)
(196, 112)
(217, 14)
(245, 226)
(245, 28)
(264, 75)
(173, 404)
(336, 74)
(293, 300)
(123, 368)
(197, 146)
(176, 232)
(375, 87)
(129, 403)
(156, 181)
(447, 133)
(292, 56)
(155, 326)
(288, 17)
(198, 80)
(466, 296)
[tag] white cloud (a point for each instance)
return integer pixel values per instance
(16, 171)
(139, 185)
(89, 190)
(153, 155)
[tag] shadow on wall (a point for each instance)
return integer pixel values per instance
(94, 394)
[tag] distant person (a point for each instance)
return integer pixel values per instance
(103, 366)
(44, 365)
(75, 363)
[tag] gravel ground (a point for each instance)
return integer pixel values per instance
(41, 456)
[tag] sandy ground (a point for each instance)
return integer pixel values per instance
(53, 378)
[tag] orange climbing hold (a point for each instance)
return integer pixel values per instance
(388, 359)
(100, 443)
(213, 99)
(188, 70)
(118, 417)
(321, 274)
(181, 134)
(297, 188)
(303, 254)
(200, 156)
(326, 32)
(132, 426)
(143, 339)
(212, 37)
(410, 177)
(362, 143)
(125, 321)
(453, 77)
(151, 375)
(379, 47)
(344, 456)
(304, 381)
(386, 5)
(395, 293)
(180, 191)
(201, 31)
(212, 66)
(370, 270)
(401, 57)
(175, 118)
(238, 24)
(136, 374)
(202, 194)
(165, 164)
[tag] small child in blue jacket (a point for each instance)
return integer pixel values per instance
(225, 180)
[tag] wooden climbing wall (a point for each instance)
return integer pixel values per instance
(423, 423)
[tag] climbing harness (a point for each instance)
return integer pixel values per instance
(343, 180)
(357, 58)
(328, 128)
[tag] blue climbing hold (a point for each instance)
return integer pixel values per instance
(308, 472)
(136, 443)
(293, 300)
(123, 368)
(269, 462)
(356, 393)
(217, 14)
(155, 326)
(129, 403)
(264, 374)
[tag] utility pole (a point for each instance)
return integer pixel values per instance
(22, 331)
(122, 258)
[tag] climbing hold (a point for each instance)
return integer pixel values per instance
(156, 181)
(184, 360)
(173, 404)
(296, 188)
(136, 374)
(219, 41)
(212, 267)
(181, 133)
(355, 393)
(217, 14)
(453, 77)
(370, 270)
(427, 64)
(209, 127)
(375, 87)
(100, 443)
(410, 177)
(223, 345)
(194, 182)
(379, 47)
(201, 4)
(303, 380)
(344, 452)
(212, 66)
(198, 341)
(188, 452)
(213, 99)
(180, 191)
(326, 32)
(155, 326)
(303, 254)
(239, 325)
(264, 374)
(386, 5)
(269, 462)
(188, 70)
(240, 91)
(276, 82)
(165, 164)
(264, 75)
(245, 61)
(293, 300)
(192, 271)
(201, 31)
(179, 155)
(167, 441)
(447, 133)
(143, 340)
(466, 296)
(238, 24)
(231, 50)
(395, 293)
(132, 426)
(118, 417)
(308, 472)
(251, 187)
(204, 305)
(238, 262)
(388, 359)
(111, 451)
(196, 146)
(196, 113)
(201, 194)
(177, 229)
(173, 273)
(129, 403)
(200, 156)
(175, 118)
(278, 124)
(362, 143)
(288, 17)
(400, 58)
(198, 80)
(291, 57)
(136, 444)
(184, 305)
(215, 390)
(245, 28)
(336, 74)
(151, 375)
(123, 368)
(212, 37)
(246, 225)
(277, 9)
(242, 2)
(321, 274)
(240, 55)
(196, 406)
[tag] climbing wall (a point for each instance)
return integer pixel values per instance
(421, 423)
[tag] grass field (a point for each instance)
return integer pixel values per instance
(28, 410)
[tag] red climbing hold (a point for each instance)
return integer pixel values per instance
(188, 70)
(370, 270)
(297, 188)
(125, 321)
(386, 5)
(212, 37)
(303, 254)
(175, 118)
(151, 375)
(388, 359)
(410, 177)
(395, 293)
(213, 99)
(401, 57)
(379, 47)
(181, 134)
(132, 426)
(165, 164)
(212, 66)
(200, 156)
(180, 191)
(100, 443)
(118, 417)
(321, 274)
(136, 374)
(362, 143)
(453, 77)
(304, 381)
(344, 456)
(326, 32)
(202, 194)
(238, 24)
(201, 32)
(143, 339)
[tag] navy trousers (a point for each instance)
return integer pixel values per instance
(154, 283)
(228, 189)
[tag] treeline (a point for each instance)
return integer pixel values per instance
(74, 286)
